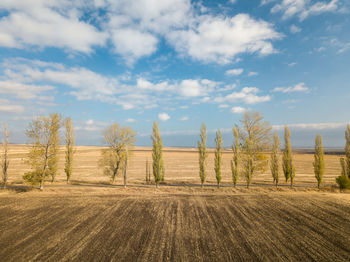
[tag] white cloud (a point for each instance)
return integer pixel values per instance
(7, 106)
(304, 8)
(253, 73)
(163, 117)
(234, 72)
(292, 64)
(300, 87)
(130, 120)
(23, 91)
(220, 39)
(238, 110)
(224, 106)
(247, 95)
(133, 44)
(314, 126)
(90, 122)
(47, 24)
(185, 118)
(294, 29)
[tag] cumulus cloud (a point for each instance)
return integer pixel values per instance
(248, 95)
(163, 117)
(304, 8)
(47, 24)
(300, 87)
(238, 110)
(130, 120)
(220, 39)
(234, 72)
(294, 29)
(253, 73)
(185, 118)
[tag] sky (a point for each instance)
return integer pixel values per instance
(177, 62)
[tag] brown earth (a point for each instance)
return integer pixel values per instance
(174, 224)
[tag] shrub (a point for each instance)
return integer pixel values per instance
(343, 182)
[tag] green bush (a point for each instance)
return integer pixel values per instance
(343, 182)
(32, 177)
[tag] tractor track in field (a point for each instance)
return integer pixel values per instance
(154, 227)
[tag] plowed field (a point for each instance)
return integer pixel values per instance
(174, 225)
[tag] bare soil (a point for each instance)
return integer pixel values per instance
(174, 224)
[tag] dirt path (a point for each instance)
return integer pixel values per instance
(175, 227)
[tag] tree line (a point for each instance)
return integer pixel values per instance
(252, 143)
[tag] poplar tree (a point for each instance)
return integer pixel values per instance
(255, 141)
(319, 163)
(235, 159)
(218, 156)
(202, 149)
(42, 133)
(4, 158)
(55, 147)
(157, 154)
(347, 150)
(287, 160)
(147, 172)
(274, 164)
(70, 144)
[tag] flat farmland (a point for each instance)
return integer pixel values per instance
(174, 224)
(181, 166)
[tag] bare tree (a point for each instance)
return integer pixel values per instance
(70, 144)
(4, 159)
(119, 141)
(202, 150)
(42, 134)
(255, 140)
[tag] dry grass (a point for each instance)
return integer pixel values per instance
(181, 166)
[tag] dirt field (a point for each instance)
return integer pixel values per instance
(181, 166)
(183, 224)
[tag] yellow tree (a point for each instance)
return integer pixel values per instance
(42, 135)
(70, 144)
(319, 163)
(4, 158)
(218, 156)
(255, 140)
(235, 159)
(119, 142)
(202, 150)
(157, 154)
(274, 164)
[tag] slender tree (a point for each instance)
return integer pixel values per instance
(218, 156)
(157, 154)
(319, 163)
(125, 167)
(235, 159)
(42, 134)
(119, 141)
(274, 164)
(347, 150)
(4, 159)
(70, 144)
(147, 172)
(255, 140)
(52, 166)
(202, 149)
(287, 160)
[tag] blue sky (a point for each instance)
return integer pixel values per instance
(178, 62)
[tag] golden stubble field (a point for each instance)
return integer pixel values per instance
(181, 166)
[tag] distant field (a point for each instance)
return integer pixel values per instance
(181, 166)
(174, 224)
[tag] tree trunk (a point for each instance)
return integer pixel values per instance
(41, 184)
(125, 169)
(156, 184)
